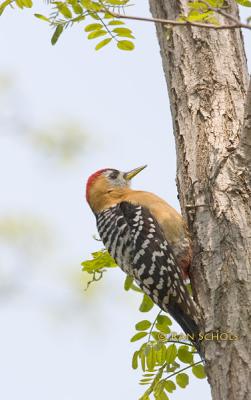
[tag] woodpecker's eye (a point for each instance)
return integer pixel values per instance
(114, 175)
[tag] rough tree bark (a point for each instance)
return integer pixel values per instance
(207, 80)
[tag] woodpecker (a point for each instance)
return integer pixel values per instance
(148, 239)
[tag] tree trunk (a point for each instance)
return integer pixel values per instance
(207, 80)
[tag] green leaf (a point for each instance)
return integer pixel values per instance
(162, 396)
(212, 20)
(199, 371)
(146, 305)
(93, 27)
(161, 354)
(143, 359)
(91, 5)
(158, 346)
(216, 3)
(155, 335)
(163, 328)
(164, 320)
(64, 10)
(94, 16)
(169, 386)
(118, 2)
(42, 17)
(59, 29)
(135, 360)
(108, 16)
(136, 288)
(86, 3)
(129, 279)
(127, 35)
(116, 22)
(138, 336)
(4, 5)
(19, 3)
(27, 3)
(197, 5)
(76, 7)
(159, 390)
(245, 3)
(173, 368)
(182, 380)
(145, 380)
(143, 325)
(196, 16)
(79, 18)
(151, 359)
(101, 259)
(185, 355)
(171, 353)
(123, 32)
(125, 45)
(96, 34)
(102, 44)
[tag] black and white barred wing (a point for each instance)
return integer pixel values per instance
(114, 231)
(135, 240)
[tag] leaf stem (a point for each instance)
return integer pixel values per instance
(153, 324)
(183, 369)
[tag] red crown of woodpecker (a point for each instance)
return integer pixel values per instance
(91, 179)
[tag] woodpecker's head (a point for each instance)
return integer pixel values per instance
(106, 186)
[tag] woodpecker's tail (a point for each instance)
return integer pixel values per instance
(188, 323)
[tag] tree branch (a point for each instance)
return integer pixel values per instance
(235, 25)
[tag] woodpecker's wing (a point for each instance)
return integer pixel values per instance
(135, 240)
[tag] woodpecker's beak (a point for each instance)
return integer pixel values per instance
(131, 174)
